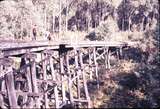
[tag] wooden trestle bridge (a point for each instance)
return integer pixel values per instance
(58, 78)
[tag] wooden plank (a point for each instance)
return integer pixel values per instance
(14, 48)
(97, 44)
(30, 44)
(22, 44)
(20, 51)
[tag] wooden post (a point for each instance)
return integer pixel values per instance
(54, 76)
(69, 79)
(11, 90)
(106, 57)
(52, 68)
(90, 65)
(77, 72)
(96, 66)
(84, 80)
(1, 56)
(1, 101)
(56, 96)
(3, 86)
(9, 80)
(2, 82)
(117, 53)
(45, 78)
(67, 63)
(28, 77)
(34, 79)
(62, 75)
(129, 25)
(121, 52)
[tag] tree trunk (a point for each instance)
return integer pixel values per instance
(45, 17)
(60, 16)
(66, 16)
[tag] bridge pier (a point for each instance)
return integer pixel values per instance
(57, 79)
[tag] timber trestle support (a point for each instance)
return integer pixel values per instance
(57, 78)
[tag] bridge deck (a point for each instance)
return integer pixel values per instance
(20, 47)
